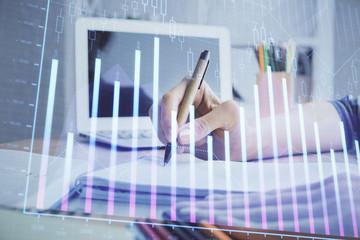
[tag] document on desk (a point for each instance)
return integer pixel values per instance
(16, 181)
(14, 166)
(143, 175)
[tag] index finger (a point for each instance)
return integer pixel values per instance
(174, 97)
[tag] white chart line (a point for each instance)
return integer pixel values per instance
(244, 162)
(275, 148)
(260, 156)
(93, 125)
(47, 135)
(155, 124)
(321, 175)
(211, 179)
(36, 104)
(349, 184)
(173, 164)
(228, 177)
(306, 168)
(192, 164)
(290, 153)
(113, 151)
(67, 171)
(135, 126)
(337, 194)
(357, 154)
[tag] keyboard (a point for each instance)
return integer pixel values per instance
(127, 134)
(125, 138)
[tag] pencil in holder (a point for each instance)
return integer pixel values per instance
(278, 93)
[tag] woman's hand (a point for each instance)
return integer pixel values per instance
(212, 116)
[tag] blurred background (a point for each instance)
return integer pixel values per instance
(326, 32)
(33, 32)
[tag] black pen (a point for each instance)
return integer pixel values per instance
(191, 90)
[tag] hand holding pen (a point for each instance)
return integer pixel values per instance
(212, 116)
(189, 96)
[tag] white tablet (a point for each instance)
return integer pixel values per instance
(141, 56)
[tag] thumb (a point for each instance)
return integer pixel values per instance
(201, 130)
(223, 116)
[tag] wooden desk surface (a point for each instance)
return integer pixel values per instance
(24, 145)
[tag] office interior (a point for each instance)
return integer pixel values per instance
(35, 32)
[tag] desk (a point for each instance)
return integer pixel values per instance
(102, 161)
(16, 225)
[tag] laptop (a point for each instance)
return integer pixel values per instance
(143, 60)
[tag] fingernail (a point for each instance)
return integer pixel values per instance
(184, 135)
(185, 132)
(167, 132)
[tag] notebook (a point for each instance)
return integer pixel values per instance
(183, 185)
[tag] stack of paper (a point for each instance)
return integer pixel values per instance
(143, 177)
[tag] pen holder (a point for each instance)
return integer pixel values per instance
(263, 86)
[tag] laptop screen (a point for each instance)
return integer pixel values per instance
(177, 58)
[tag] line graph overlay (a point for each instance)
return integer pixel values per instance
(36, 104)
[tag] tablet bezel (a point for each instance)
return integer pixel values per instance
(135, 26)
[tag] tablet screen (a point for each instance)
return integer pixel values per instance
(117, 50)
